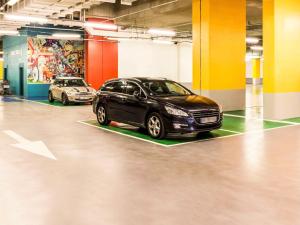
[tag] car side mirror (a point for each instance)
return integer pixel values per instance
(137, 94)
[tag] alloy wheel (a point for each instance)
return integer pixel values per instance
(154, 126)
(101, 114)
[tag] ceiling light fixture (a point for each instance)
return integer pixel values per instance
(257, 48)
(66, 35)
(9, 32)
(12, 2)
(165, 42)
(252, 40)
(160, 32)
(25, 18)
(101, 26)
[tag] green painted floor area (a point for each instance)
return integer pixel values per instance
(237, 113)
(232, 125)
(293, 120)
(59, 104)
(136, 133)
(242, 125)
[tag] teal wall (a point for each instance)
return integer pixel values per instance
(15, 55)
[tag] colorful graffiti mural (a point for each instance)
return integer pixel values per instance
(49, 58)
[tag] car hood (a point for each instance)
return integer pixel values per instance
(191, 102)
(79, 89)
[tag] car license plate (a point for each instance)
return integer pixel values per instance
(209, 119)
(5, 86)
(83, 98)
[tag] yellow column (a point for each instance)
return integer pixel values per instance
(255, 70)
(281, 24)
(1, 70)
(219, 49)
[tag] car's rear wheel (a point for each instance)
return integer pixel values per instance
(155, 126)
(102, 116)
(50, 97)
(65, 100)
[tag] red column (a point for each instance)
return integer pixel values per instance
(101, 60)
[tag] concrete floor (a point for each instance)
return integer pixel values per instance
(104, 178)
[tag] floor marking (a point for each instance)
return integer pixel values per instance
(126, 135)
(166, 146)
(37, 102)
(267, 120)
(35, 147)
(230, 131)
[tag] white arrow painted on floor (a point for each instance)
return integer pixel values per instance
(35, 147)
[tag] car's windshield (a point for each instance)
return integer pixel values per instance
(75, 83)
(166, 88)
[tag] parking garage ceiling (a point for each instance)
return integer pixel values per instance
(129, 14)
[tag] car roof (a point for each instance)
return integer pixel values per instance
(137, 79)
(68, 78)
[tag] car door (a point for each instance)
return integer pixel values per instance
(115, 100)
(55, 89)
(135, 108)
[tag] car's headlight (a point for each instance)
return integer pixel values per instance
(221, 108)
(70, 93)
(175, 112)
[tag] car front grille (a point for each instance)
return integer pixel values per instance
(198, 115)
(83, 94)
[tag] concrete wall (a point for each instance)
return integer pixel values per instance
(144, 58)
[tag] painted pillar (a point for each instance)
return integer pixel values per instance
(256, 71)
(1, 70)
(219, 49)
(281, 58)
(101, 59)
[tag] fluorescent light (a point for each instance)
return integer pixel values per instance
(25, 18)
(165, 42)
(101, 26)
(257, 48)
(12, 2)
(66, 35)
(9, 32)
(160, 32)
(252, 40)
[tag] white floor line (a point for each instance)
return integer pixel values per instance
(267, 120)
(126, 135)
(235, 132)
(153, 142)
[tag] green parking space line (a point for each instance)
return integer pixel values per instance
(56, 103)
(242, 125)
(169, 142)
(293, 120)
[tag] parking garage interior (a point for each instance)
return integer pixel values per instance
(63, 162)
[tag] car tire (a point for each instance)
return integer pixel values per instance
(50, 97)
(65, 100)
(155, 126)
(102, 116)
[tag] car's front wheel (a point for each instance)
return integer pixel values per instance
(65, 100)
(50, 97)
(155, 126)
(102, 116)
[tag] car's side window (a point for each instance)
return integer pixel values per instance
(133, 87)
(119, 87)
(116, 87)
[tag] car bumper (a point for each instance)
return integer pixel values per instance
(190, 125)
(80, 99)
